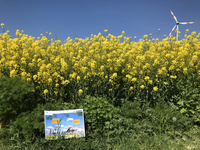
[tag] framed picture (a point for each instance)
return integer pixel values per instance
(64, 124)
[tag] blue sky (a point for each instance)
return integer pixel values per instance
(81, 18)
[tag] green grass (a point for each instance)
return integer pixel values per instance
(140, 141)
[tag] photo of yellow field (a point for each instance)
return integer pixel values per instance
(66, 136)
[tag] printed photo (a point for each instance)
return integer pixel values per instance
(64, 124)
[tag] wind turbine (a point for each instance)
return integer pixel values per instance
(177, 23)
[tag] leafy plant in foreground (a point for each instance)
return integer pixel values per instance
(16, 96)
(188, 98)
(30, 125)
(97, 112)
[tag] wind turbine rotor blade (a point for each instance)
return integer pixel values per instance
(186, 22)
(172, 30)
(174, 16)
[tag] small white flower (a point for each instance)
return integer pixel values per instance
(174, 119)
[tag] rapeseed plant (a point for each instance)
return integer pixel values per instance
(98, 63)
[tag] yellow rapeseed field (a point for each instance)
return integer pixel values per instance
(98, 63)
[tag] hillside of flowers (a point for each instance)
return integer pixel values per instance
(147, 88)
(109, 66)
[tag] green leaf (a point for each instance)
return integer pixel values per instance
(198, 107)
(180, 103)
(193, 112)
(183, 110)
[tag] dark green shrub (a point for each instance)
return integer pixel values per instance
(30, 124)
(138, 121)
(133, 110)
(165, 118)
(131, 113)
(16, 96)
(188, 98)
(97, 111)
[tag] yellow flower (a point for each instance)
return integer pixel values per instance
(110, 90)
(57, 85)
(114, 76)
(150, 82)
(28, 79)
(193, 33)
(155, 88)
(13, 73)
(142, 86)
(23, 74)
(2, 25)
(102, 73)
(131, 88)
(123, 32)
(105, 30)
(56, 92)
(34, 77)
(50, 80)
(117, 85)
(65, 82)
(128, 76)
(145, 36)
(185, 70)
(78, 78)
(73, 76)
(146, 78)
(45, 91)
(80, 92)
(173, 77)
(134, 79)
